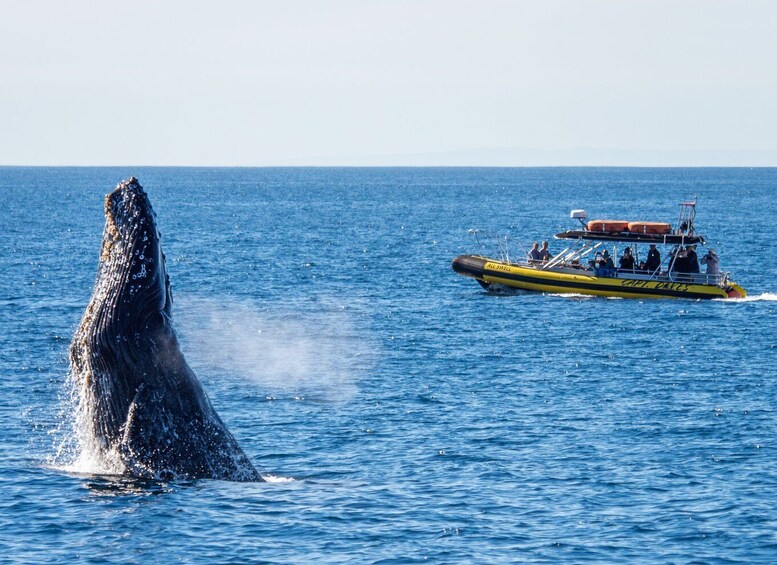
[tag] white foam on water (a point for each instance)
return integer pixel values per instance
(276, 479)
(86, 462)
(763, 297)
(572, 295)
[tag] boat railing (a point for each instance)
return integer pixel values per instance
(688, 278)
(670, 276)
(574, 252)
(502, 244)
(636, 274)
(697, 278)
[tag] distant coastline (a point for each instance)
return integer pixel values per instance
(527, 157)
(497, 157)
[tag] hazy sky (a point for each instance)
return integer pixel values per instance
(388, 82)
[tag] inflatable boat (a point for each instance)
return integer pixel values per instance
(586, 266)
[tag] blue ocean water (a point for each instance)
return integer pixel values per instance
(400, 413)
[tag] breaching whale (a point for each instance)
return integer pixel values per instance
(141, 407)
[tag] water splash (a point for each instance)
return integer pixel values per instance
(77, 449)
(277, 479)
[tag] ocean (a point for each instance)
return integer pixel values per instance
(398, 412)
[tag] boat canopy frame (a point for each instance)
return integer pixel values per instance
(683, 234)
(584, 242)
(626, 237)
(572, 255)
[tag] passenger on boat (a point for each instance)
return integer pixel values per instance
(608, 260)
(691, 259)
(653, 259)
(604, 266)
(544, 253)
(712, 261)
(599, 265)
(627, 260)
(534, 254)
(679, 262)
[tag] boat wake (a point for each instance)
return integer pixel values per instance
(573, 296)
(763, 297)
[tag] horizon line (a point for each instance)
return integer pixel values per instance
(394, 166)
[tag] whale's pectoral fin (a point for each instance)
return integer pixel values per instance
(164, 440)
(149, 447)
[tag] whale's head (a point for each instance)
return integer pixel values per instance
(132, 265)
(127, 316)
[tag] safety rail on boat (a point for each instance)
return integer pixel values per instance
(633, 274)
(670, 276)
(502, 243)
(577, 258)
(574, 252)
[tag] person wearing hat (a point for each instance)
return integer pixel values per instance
(712, 261)
(653, 261)
(691, 259)
(608, 260)
(606, 265)
(626, 261)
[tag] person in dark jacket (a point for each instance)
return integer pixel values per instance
(679, 261)
(653, 259)
(605, 262)
(606, 268)
(626, 261)
(691, 259)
